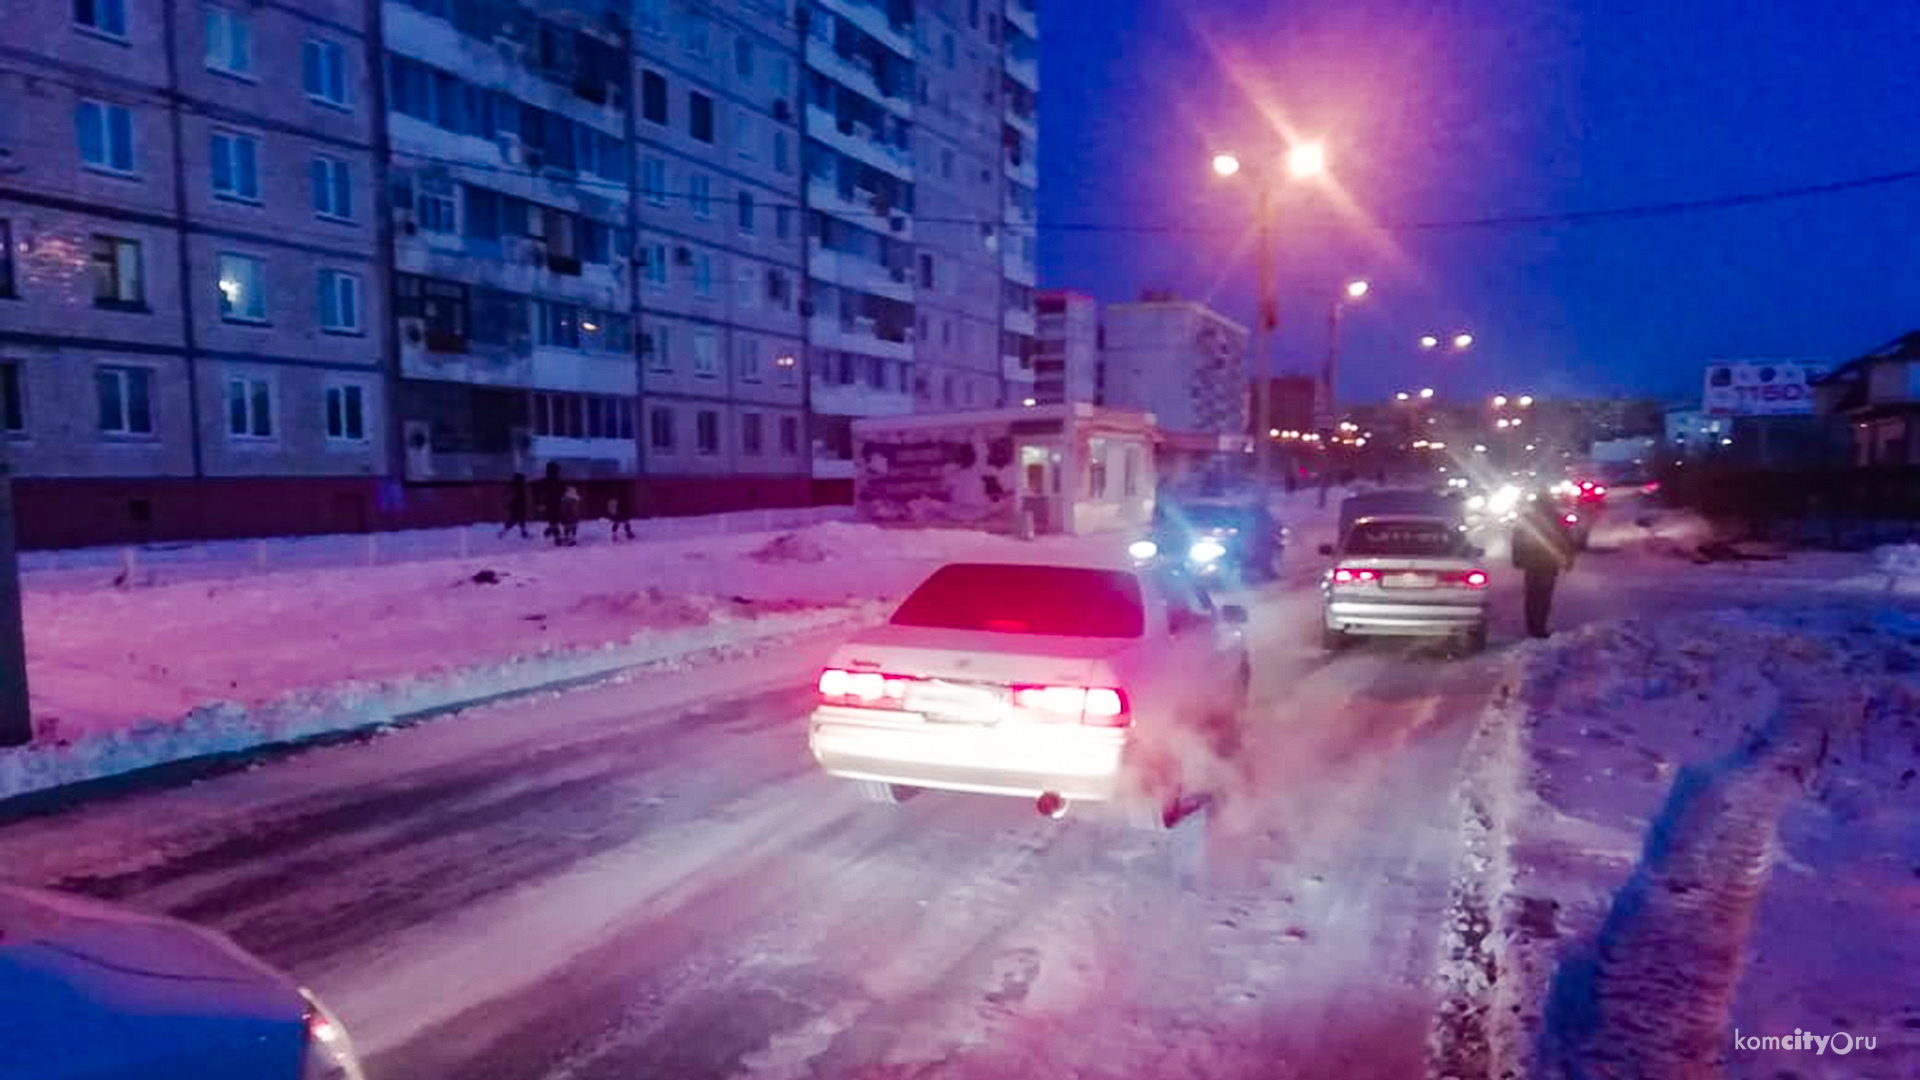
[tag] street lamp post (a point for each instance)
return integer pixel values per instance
(1354, 290)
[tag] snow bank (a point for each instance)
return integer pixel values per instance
(1634, 906)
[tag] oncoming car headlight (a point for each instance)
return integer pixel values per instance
(1476, 502)
(1206, 550)
(1143, 549)
(1505, 499)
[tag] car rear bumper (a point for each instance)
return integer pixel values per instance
(1078, 762)
(1384, 617)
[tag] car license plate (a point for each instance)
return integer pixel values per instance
(1407, 581)
(956, 703)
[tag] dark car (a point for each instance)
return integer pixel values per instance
(1236, 540)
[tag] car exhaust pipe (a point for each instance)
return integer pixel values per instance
(1051, 805)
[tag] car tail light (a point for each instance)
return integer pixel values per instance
(1599, 490)
(330, 1053)
(1349, 576)
(1473, 579)
(842, 687)
(1571, 519)
(1098, 706)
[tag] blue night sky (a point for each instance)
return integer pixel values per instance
(1460, 109)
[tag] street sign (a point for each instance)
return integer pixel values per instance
(1761, 387)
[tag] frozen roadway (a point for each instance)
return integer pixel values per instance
(651, 879)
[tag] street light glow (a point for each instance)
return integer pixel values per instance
(1426, 392)
(1029, 402)
(1499, 401)
(1273, 433)
(1526, 401)
(1402, 396)
(1500, 423)
(1462, 340)
(1307, 160)
(1225, 164)
(1357, 289)
(1428, 341)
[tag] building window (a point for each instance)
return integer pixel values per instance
(229, 42)
(653, 97)
(778, 293)
(751, 438)
(660, 433)
(782, 159)
(746, 211)
(746, 287)
(744, 140)
(324, 72)
(705, 364)
(434, 211)
(236, 166)
(107, 17)
(700, 193)
(6, 258)
(743, 57)
(783, 221)
(339, 302)
(13, 406)
(126, 402)
(698, 36)
(788, 365)
(926, 271)
(703, 275)
(700, 116)
(790, 435)
(653, 180)
(556, 325)
(242, 289)
(656, 259)
(659, 356)
(746, 358)
(346, 413)
(332, 189)
(706, 432)
(106, 136)
(119, 277)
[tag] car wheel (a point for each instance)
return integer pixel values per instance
(1333, 640)
(1476, 641)
(882, 792)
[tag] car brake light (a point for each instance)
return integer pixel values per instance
(861, 687)
(1572, 519)
(1100, 706)
(1349, 576)
(1474, 579)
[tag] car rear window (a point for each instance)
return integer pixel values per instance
(1418, 538)
(1012, 599)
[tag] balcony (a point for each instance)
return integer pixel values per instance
(1018, 269)
(824, 195)
(859, 399)
(1020, 14)
(873, 19)
(848, 71)
(1019, 322)
(862, 144)
(1015, 372)
(858, 272)
(1027, 124)
(1025, 71)
(1023, 172)
(500, 66)
(857, 336)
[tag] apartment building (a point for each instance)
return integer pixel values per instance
(1067, 359)
(958, 153)
(1020, 134)
(1181, 361)
(190, 300)
(719, 152)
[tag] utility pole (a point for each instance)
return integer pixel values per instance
(1262, 337)
(16, 719)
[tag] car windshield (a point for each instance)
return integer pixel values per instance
(1014, 599)
(1427, 539)
(1220, 517)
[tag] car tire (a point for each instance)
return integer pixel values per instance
(880, 791)
(1476, 640)
(1333, 640)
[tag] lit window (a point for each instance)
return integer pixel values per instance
(242, 289)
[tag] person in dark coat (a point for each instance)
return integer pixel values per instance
(550, 491)
(516, 505)
(569, 523)
(621, 519)
(1542, 548)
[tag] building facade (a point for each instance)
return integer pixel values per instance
(354, 264)
(191, 301)
(1067, 350)
(1181, 361)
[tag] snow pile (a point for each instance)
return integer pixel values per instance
(1638, 905)
(790, 547)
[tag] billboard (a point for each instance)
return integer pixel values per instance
(962, 475)
(1761, 387)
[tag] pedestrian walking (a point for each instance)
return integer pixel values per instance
(551, 489)
(621, 519)
(516, 506)
(569, 523)
(1542, 549)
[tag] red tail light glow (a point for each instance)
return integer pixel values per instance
(1349, 576)
(861, 687)
(1572, 519)
(1474, 579)
(1098, 706)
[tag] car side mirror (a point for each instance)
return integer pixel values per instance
(1233, 615)
(1327, 550)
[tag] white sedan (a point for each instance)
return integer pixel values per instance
(1061, 684)
(89, 991)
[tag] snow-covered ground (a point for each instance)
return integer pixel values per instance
(1688, 828)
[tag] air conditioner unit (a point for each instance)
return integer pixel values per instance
(413, 332)
(418, 435)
